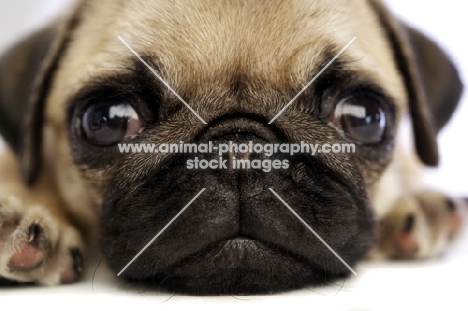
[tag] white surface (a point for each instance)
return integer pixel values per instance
(432, 285)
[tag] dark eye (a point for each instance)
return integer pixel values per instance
(109, 123)
(362, 118)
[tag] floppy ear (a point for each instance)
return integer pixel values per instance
(432, 82)
(26, 74)
(24, 80)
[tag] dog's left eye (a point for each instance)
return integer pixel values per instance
(362, 118)
(109, 123)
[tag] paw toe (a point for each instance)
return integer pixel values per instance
(37, 247)
(420, 226)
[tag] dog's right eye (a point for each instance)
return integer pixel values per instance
(105, 124)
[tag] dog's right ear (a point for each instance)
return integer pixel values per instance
(22, 75)
(26, 75)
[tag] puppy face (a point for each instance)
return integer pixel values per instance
(237, 64)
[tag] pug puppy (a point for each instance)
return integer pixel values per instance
(63, 181)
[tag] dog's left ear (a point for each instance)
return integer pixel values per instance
(26, 75)
(432, 82)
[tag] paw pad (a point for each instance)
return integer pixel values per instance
(27, 258)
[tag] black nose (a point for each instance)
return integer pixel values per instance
(240, 144)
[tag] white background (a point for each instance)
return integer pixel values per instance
(430, 285)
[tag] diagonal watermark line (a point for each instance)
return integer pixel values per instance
(312, 81)
(312, 230)
(161, 79)
(160, 232)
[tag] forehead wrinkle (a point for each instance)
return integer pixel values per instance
(211, 37)
(204, 40)
(204, 43)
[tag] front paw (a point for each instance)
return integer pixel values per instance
(420, 226)
(37, 247)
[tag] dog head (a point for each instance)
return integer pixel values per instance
(237, 64)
